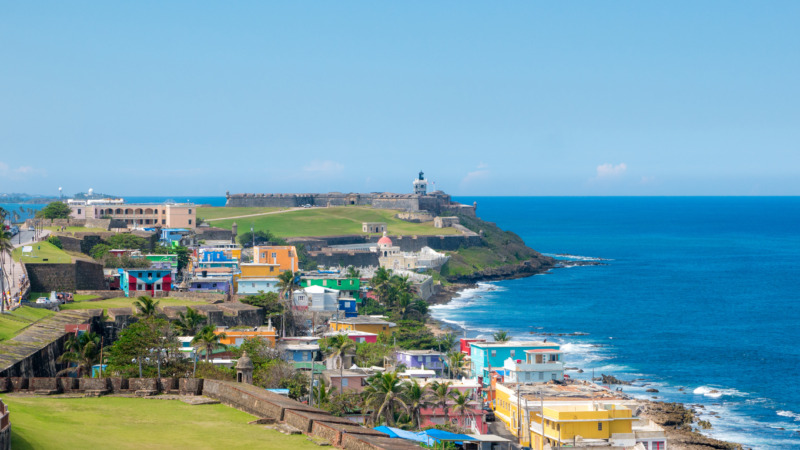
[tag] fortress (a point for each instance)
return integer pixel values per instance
(436, 202)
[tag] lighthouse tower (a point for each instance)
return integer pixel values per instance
(421, 184)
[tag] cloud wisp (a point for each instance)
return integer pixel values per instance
(608, 170)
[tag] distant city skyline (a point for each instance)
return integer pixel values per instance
(528, 98)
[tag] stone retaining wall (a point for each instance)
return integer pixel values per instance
(65, 277)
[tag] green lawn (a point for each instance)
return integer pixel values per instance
(11, 323)
(330, 222)
(222, 212)
(122, 302)
(135, 423)
(76, 229)
(41, 251)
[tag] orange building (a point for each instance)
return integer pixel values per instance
(236, 337)
(283, 256)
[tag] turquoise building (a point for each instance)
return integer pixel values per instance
(493, 354)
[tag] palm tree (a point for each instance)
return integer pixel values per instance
(383, 395)
(407, 307)
(146, 306)
(446, 342)
(83, 350)
(440, 394)
(287, 284)
(501, 336)
(416, 397)
(399, 288)
(5, 249)
(461, 403)
(456, 363)
(338, 347)
(187, 323)
(352, 272)
(207, 339)
(322, 393)
(380, 283)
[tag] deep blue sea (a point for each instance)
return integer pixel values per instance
(699, 299)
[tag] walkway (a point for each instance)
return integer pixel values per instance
(296, 208)
(15, 279)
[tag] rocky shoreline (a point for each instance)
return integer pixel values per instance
(676, 418)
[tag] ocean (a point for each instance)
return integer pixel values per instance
(698, 298)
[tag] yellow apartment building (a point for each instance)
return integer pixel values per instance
(365, 324)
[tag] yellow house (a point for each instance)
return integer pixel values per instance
(365, 324)
(564, 419)
(259, 270)
(282, 256)
(237, 337)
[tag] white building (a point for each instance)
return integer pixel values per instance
(539, 365)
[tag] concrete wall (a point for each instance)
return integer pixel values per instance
(79, 275)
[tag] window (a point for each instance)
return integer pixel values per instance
(149, 274)
(138, 286)
(214, 285)
(79, 210)
(338, 282)
(541, 375)
(158, 287)
(558, 427)
(599, 426)
(272, 269)
(190, 211)
(513, 353)
(494, 352)
(252, 285)
(190, 221)
(163, 221)
(274, 255)
(345, 382)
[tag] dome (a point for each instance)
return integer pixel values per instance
(245, 362)
(385, 241)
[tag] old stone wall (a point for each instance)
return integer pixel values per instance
(344, 259)
(199, 296)
(415, 217)
(98, 223)
(65, 277)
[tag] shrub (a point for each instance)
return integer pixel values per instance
(55, 241)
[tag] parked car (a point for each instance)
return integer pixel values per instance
(42, 300)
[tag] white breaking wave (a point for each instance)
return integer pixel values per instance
(792, 415)
(717, 392)
(575, 257)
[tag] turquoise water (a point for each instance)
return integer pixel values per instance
(698, 293)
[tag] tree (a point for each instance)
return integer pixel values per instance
(146, 306)
(380, 283)
(83, 351)
(6, 247)
(267, 300)
(55, 241)
(99, 251)
(138, 341)
(501, 336)
(440, 395)
(183, 256)
(323, 393)
(54, 210)
(446, 342)
(127, 240)
(261, 237)
(207, 339)
(461, 402)
(337, 347)
(287, 284)
(456, 363)
(352, 272)
(416, 397)
(188, 323)
(383, 394)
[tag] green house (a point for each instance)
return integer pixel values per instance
(350, 285)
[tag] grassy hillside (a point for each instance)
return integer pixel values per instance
(207, 213)
(324, 221)
(41, 251)
(135, 423)
(502, 251)
(12, 323)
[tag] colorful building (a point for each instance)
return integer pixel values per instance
(136, 282)
(540, 365)
(136, 215)
(421, 359)
(235, 338)
(356, 336)
(364, 323)
(349, 287)
(485, 355)
(283, 256)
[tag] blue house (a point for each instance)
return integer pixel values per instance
(418, 359)
(485, 355)
(170, 235)
(252, 286)
(299, 352)
(348, 306)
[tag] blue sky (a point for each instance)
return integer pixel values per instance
(488, 98)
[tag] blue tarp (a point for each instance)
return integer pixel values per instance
(403, 434)
(448, 436)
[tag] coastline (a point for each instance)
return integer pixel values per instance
(676, 418)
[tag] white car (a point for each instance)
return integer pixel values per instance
(42, 300)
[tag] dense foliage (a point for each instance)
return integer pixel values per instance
(54, 210)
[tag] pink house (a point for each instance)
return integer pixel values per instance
(471, 419)
(346, 380)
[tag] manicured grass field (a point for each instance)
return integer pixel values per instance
(76, 229)
(222, 212)
(123, 302)
(11, 323)
(41, 251)
(136, 423)
(330, 222)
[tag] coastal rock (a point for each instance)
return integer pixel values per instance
(610, 379)
(677, 420)
(652, 390)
